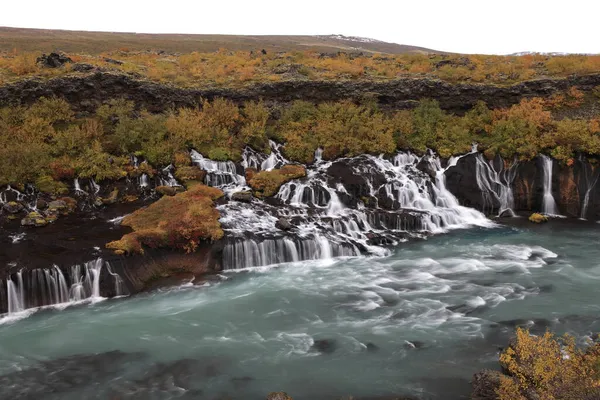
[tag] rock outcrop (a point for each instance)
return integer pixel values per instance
(484, 185)
(85, 91)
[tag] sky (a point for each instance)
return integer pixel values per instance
(464, 26)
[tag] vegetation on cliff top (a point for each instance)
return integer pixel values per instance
(235, 68)
(181, 221)
(48, 145)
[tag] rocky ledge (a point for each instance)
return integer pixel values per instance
(85, 91)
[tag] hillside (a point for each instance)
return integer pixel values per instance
(45, 40)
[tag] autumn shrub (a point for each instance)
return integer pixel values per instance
(253, 131)
(537, 218)
(570, 137)
(549, 367)
(518, 130)
(206, 128)
(341, 129)
(267, 183)
(182, 221)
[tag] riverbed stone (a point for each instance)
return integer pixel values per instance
(12, 207)
(244, 196)
(325, 346)
(283, 224)
(34, 219)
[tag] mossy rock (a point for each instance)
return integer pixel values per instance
(34, 218)
(538, 218)
(12, 207)
(267, 183)
(169, 190)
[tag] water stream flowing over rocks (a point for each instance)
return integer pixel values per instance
(342, 208)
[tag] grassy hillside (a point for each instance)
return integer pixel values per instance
(45, 40)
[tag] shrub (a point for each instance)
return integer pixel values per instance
(546, 367)
(537, 218)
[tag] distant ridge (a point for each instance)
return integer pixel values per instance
(552, 53)
(46, 40)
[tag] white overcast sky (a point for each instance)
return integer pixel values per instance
(466, 26)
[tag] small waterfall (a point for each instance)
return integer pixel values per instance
(77, 187)
(120, 288)
(143, 181)
(94, 187)
(590, 182)
(318, 155)
(168, 179)
(221, 174)
(496, 186)
(16, 195)
(16, 294)
(245, 253)
(548, 205)
(49, 286)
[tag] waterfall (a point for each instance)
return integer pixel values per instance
(318, 155)
(16, 299)
(77, 187)
(221, 174)
(120, 288)
(144, 180)
(548, 205)
(590, 182)
(94, 187)
(18, 196)
(48, 286)
(322, 219)
(168, 179)
(496, 186)
(247, 253)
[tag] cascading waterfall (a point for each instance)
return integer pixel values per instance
(168, 179)
(143, 181)
(221, 174)
(323, 225)
(496, 186)
(94, 187)
(49, 286)
(590, 182)
(18, 196)
(77, 187)
(549, 205)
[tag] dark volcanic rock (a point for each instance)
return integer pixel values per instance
(244, 197)
(82, 67)
(12, 207)
(325, 346)
(283, 224)
(85, 92)
(53, 60)
(485, 384)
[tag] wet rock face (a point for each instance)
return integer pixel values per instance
(482, 184)
(461, 181)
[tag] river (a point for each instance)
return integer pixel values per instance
(418, 322)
